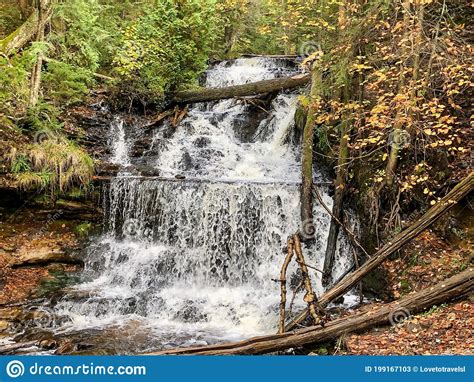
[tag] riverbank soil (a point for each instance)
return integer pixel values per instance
(31, 253)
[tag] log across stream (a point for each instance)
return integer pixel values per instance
(456, 287)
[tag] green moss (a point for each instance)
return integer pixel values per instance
(405, 286)
(58, 279)
(83, 229)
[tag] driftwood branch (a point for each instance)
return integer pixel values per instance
(96, 75)
(289, 255)
(455, 287)
(250, 89)
(461, 190)
(350, 234)
(310, 297)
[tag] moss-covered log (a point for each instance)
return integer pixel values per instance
(26, 32)
(250, 89)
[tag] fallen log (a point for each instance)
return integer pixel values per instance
(461, 190)
(277, 56)
(158, 118)
(455, 287)
(13, 348)
(250, 89)
(177, 178)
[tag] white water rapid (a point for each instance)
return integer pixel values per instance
(193, 261)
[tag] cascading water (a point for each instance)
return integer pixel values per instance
(194, 260)
(118, 143)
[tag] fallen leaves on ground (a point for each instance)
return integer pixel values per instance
(442, 330)
(424, 262)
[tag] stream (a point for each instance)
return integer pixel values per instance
(193, 260)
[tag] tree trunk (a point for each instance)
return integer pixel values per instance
(461, 190)
(396, 139)
(251, 89)
(453, 288)
(337, 206)
(36, 71)
(26, 32)
(307, 228)
(345, 130)
(228, 38)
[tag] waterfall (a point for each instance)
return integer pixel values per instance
(195, 260)
(118, 143)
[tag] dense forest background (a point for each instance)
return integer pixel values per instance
(392, 102)
(388, 112)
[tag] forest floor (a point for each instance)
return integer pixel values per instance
(445, 329)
